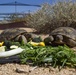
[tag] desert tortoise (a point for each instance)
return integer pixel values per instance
(62, 35)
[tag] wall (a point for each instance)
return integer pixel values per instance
(13, 25)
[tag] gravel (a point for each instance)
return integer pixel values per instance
(20, 69)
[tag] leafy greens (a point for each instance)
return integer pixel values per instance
(60, 55)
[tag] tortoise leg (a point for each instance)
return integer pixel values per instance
(70, 42)
(23, 38)
(16, 39)
(51, 38)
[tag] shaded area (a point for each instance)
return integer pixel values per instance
(11, 59)
(13, 25)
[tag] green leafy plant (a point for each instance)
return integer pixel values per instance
(61, 55)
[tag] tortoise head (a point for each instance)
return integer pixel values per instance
(48, 40)
(58, 39)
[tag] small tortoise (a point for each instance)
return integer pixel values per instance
(62, 35)
(16, 35)
(13, 35)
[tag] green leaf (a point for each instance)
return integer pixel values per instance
(60, 55)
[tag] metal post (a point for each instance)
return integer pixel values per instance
(15, 7)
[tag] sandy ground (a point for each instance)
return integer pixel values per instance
(19, 69)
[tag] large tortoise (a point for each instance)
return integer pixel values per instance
(62, 35)
(16, 34)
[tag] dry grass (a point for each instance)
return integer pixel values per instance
(49, 17)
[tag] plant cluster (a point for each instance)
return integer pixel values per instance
(60, 55)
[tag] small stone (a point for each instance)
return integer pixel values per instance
(20, 70)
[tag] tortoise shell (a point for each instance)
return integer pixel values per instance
(10, 34)
(65, 31)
